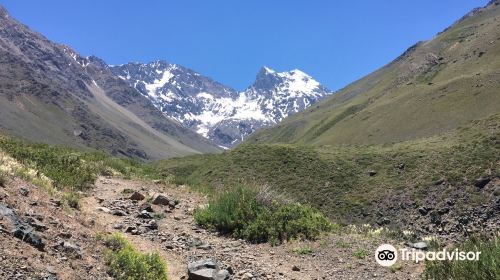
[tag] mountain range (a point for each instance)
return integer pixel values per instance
(218, 112)
(49, 93)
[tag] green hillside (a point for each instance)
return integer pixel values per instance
(357, 183)
(434, 86)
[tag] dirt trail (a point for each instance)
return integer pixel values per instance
(179, 240)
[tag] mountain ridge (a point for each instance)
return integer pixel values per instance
(47, 96)
(218, 112)
(433, 86)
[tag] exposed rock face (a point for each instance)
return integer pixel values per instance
(21, 229)
(218, 112)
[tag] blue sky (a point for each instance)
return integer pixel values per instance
(336, 42)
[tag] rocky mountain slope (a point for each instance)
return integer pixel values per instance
(49, 93)
(434, 86)
(216, 111)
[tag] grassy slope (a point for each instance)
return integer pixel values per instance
(435, 86)
(336, 180)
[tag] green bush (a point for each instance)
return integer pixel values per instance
(487, 267)
(71, 199)
(230, 212)
(285, 222)
(126, 263)
(238, 212)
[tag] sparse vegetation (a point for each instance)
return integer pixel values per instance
(360, 253)
(69, 168)
(127, 191)
(126, 263)
(159, 216)
(71, 199)
(306, 250)
(487, 267)
(343, 244)
(238, 212)
(396, 267)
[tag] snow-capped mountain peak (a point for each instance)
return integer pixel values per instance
(216, 111)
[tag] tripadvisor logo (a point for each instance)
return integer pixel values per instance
(387, 255)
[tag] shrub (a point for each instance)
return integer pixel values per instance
(126, 263)
(230, 212)
(238, 212)
(71, 199)
(287, 221)
(487, 267)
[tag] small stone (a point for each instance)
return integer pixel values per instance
(160, 199)
(496, 192)
(51, 270)
(145, 215)
(295, 268)
(119, 213)
(423, 211)
(418, 245)
(118, 226)
(130, 229)
(204, 246)
(439, 182)
(482, 181)
(103, 209)
(137, 196)
(152, 224)
(384, 221)
(146, 207)
(71, 248)
(24, 191)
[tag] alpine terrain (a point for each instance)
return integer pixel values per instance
(218, 112)
(155, 172)
(49, 93)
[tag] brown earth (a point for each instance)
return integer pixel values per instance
(178, 239)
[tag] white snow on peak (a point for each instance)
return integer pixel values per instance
(269, 70)
(299, 81)
(158, 83)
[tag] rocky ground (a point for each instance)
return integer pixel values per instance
(159, 218)
(49, 242)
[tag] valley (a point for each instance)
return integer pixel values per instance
(154, 171)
